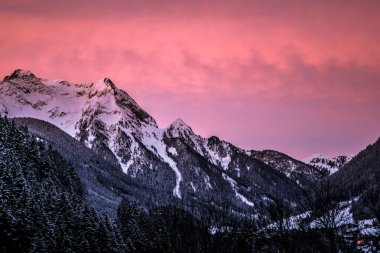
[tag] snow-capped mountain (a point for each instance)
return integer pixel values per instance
(328, 164)
(107, 120)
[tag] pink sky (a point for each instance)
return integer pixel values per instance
(301, 77)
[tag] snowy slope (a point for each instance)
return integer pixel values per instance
(329, 164)
(91, 112)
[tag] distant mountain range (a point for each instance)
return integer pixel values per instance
(170, 165)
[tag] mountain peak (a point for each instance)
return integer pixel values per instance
(179, 124)
(214, 139)
(20, 73)
(109, 82)
(331, 164)
(312, 157)
(103, 84)
(179, 128)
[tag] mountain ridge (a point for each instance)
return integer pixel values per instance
(107, 120)
(329, 165)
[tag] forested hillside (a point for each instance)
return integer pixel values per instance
(41, 201)
(360, 178)
(103, 180)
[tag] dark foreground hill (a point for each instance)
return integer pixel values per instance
(359, 178)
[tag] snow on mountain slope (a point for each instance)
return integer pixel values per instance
(329, 164)
(91, 112)
(207, 147)
(302, 173)
(59, 102)
(111, 123)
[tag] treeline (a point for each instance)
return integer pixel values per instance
(172, 229)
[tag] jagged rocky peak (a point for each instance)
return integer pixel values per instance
(218, 145)
(104, 87)
(213, 140)
(108, 82)
(20, 73)
(179, 128)
(180, 124)
(21, 84)
(103, 84)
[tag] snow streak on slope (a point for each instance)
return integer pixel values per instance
(153, 140)
(233, 185)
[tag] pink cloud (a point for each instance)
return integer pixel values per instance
(301, 77)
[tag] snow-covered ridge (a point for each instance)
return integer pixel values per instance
(330, 164)
(89, 112)
(300, 172)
